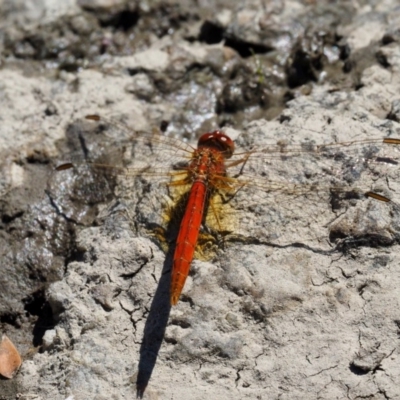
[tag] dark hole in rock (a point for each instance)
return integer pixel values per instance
(37, 305)
(124, 20)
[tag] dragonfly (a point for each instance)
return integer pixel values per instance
(214, 169)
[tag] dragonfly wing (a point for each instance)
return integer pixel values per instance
(108, 160)
(301, 191)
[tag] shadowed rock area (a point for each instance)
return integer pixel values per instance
(301, 300)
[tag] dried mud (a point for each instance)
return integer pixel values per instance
(84, 286)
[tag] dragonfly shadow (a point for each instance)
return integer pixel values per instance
(160, 308)
(154, 329)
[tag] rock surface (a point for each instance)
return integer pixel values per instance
(302, 303)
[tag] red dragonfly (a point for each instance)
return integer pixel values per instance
(205, 172)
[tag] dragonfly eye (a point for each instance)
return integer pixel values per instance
(217, 140)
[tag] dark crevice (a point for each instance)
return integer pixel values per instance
(358, 86)
(345, 52)
(170, 340)
(348, 65)
(164, 125)
(246, 49)
(238, 375)
(397, 323)
(211, 33)
(386, 160)
(76, 254)
(37, 305)
(388, 39)
(122, 21)
(344, 243)
(382, 60)
(284, 118)
(355, 369)
(131, 275)
(250, 240)
(361, 288)
(6, 219)
(10, 319)
(58, 211)
(302, 69)
(34, 303)
(37, 157)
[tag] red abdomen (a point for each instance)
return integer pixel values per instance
(187, 239)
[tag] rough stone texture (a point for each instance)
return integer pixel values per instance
(302, 301)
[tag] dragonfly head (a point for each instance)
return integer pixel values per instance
(219, 141)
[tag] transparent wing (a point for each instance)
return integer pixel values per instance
(312, 191)
(152, 154)
(276, 182)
